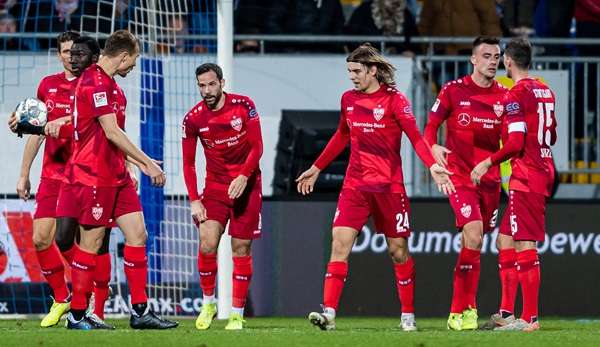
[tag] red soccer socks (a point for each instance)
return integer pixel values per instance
(466, 280)
(136, 271)
(242, 275)
(101, 280)
(207, 267)
(334, 283)
(528, 267)
(52, 267)
(509, 279)
(405, 283)
(82, 274)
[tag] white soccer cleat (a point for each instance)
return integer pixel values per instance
(324, 320)
(407, 322)
(520, 325)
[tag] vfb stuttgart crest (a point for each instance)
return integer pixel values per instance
(97, 212)
(498, 109)
(466, 211)
(236, 123)
(378, 113)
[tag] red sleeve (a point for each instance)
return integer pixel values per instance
(512, 147)
(40, 91)
(255, 140)
(189, 142)
(515, 122)
(338, 142)
(439, 112)
(554, 125)
(100, 97)
(406, 119)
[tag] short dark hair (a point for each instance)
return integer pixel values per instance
(489, 40)
(120, 41)
(206, 67)
(519, 50)
(64, 37)
(90, 42)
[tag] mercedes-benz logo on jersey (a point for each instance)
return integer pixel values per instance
(498, 109)
(378, 112)
(464, 119)
(49, 105)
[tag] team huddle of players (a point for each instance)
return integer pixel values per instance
(88, 180)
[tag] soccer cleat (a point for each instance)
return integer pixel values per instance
(520, 325)
(324, 320)
(236, 322)
(150, 320)
(407, 322)
(99, 323)
(84, 324)
(454, 321)
(56, 312)
(496, 320)
(469, 319)
(208, 312)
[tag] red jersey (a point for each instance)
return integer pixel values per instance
(231, 139)
(473, 118)
(58, 93)
(373, 124)
(529, 108)
(95, 160)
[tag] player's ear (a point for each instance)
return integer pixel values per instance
(473, 59)
(223, 84)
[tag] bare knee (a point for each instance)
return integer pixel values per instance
(240, 248)
(340, 250)
(473, 235)
(41, 240)
(398, 251)
(210, 236)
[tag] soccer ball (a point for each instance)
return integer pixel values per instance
(32, 111)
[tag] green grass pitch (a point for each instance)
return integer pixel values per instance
(286, 332)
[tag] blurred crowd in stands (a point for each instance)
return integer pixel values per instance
(394, 18)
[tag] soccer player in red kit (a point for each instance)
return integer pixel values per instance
(529, 129)
(99, 188)
(56, 91)
(472, 109)
(229, 129)
(373, 117)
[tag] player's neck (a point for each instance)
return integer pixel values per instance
(69, 75)
(107, 65)
(519, 75)
(372, 88)
(481, 81)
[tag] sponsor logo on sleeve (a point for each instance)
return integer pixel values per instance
(435, 106)
(100, 99)
(252, 113)
(513, 108)
(183, 136)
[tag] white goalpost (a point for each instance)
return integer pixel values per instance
(225, 60)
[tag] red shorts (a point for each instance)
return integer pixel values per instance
(97, 206)
(524, 216)
(390, 212)
(475, 205)
(243, 213)
(46, 198)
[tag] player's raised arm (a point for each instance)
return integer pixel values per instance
(335, 146)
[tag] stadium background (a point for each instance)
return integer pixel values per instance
(296, 81)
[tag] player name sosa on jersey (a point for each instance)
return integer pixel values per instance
(231, 140)
(96, 161)
(57, 92)
(473, 116)
(373, 124)
(529, 107)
